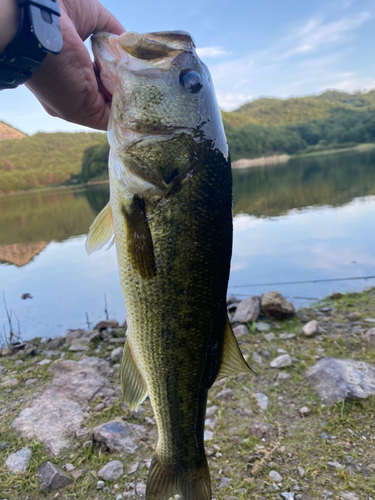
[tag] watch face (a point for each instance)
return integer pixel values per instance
(46, 29)
(38, 34)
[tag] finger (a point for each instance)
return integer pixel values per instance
(108, 22)
(66, 84)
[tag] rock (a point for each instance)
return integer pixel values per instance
(370, 320)
(100, 485)
(6, 351)
(270, 336)
(310, 328)
(44, 362)
(78, 346)
(79, 339)
(287, 336)
(99, 407)
(281, 361)
(225, 394)
(133, 468)
(261, 326)
(208, 435)
(212, 411)
(19, 461)
(103, 325)
(262, 401)
(240, 330)
(69, 467)
(232, 299)
(64, 401)
(116, 354)
(288, 495)
(349, 495)
(334, 465)
(370, 336)
(301, 472)
(112, 471)
(140, 489)
(29, 349)
(257, 358)
(56, 343)
(119, 436)
(262, 430)
(51, 354)
(283, 376)
(52, 477)
(275, 305)
(304, 411)
(247, 310)
(354, 316)
(77, 473)
(275, 476)
(12, 382)
(336, 379)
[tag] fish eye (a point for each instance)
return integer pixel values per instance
(191, 81)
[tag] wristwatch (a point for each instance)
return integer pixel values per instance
(38, 34)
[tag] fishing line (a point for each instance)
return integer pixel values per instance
(305, 281)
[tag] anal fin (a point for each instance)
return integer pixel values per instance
(139, 244)
(101, 230)
(134, 388)
(232, 362)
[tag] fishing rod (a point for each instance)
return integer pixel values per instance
(305, 281)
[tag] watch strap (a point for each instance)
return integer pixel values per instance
(38, 34)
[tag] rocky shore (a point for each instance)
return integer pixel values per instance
(302, 429)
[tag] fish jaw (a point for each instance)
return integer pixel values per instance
(157, 129)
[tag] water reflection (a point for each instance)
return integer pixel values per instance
(28, 222)
(309, 219)
(303, 182)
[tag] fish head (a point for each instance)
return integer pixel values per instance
(164, 113)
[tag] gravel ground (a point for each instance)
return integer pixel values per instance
(267, 436)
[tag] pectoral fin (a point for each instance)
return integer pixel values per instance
(134, 389)
(139, 244)
(232, 362)
(101, 230)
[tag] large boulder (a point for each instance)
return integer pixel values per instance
(247, 310)
(60, 411)
(274, 305)
(339, 379)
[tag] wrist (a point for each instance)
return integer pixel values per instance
(9, 19)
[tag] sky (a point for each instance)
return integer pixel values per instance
(253, 48)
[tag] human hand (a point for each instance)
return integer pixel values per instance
(66, 84)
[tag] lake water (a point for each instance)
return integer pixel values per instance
(310, 219)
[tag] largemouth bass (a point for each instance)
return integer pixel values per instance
(170, 215)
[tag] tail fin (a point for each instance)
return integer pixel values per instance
(165, 481)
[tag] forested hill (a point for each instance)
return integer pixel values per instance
(297, 110)
(43, 159)
(272, 126)
(263, 127)
(9, 132)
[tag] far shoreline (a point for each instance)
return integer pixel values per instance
(261, 161)
(241, 164)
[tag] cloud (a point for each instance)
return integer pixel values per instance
(315, 34)
(211, 51)
(309, 58)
